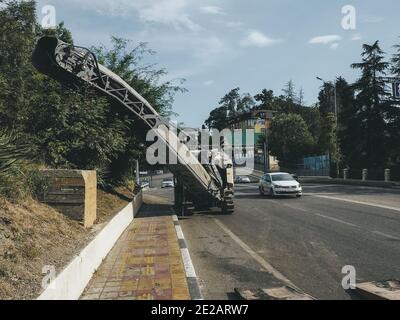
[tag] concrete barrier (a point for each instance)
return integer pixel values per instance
(329, 180)
(72, 281)
(72, 192)
(351, 182)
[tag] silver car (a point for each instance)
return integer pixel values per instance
(168, 183)
(242, 179)
(280, 184)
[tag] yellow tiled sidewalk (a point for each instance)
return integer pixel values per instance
(145, 264)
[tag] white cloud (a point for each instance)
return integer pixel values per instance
(372, 19)
(233, 24)
(256, 38)
(208, 83)
(212, 10)
(356, 37)
(334, 45)
(325, 39)
(168, 12)
(195, 53)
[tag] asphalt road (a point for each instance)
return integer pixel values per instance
(305, 241)
(156, 180)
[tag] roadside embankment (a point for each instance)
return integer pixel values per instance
(34, 235)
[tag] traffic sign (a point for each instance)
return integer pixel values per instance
(396, 89)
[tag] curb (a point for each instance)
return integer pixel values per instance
(191, 277)
(72, 281)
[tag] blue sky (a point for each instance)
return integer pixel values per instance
(217, 45)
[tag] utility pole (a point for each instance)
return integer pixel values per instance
(266, 152)
(267, 115)
(137, 172)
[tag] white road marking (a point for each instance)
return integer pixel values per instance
(187, 262)
(336, 220)
(179, 233)
(240, 194)
(376, 205)
(319, 215)
(318, 186)
(289, 206)
(386, 235)
(267, 267)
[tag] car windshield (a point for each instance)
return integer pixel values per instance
(282, 177)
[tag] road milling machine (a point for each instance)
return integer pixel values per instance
(197, 185)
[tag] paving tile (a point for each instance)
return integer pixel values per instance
(109, 295)
(111, 289)
(91, 296)
(126, 298)
(180, 297)
(97, 285)
(144, 295)
(145, 264)
(181, 283)
(94, 290)
(129, 285)
(125, 294)
(146, 284)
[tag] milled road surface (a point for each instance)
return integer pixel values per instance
(306, 241)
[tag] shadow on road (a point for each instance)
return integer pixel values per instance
(155, 210)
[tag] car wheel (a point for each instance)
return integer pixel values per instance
(271, 193)
(298, 196)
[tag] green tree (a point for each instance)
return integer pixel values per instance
(395, 61)
(232, 104)
(73, 129)
(218, 118)
(289, 91)
(245, 104)
(371, 107)
(231, 101)
(349, 134)
(265, 100)
(326, 98)
(146, 79)
(312, 118)
(18, 33)
(290, 139)
(393, 121)
(61, 32)
(300, 97)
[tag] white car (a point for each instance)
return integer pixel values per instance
(145, 185)
(280, 184)
(168, 183)
(242, 179)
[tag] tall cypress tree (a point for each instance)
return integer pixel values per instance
(371, 107)
(394, 120)
(395, 67)
(349, 135)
